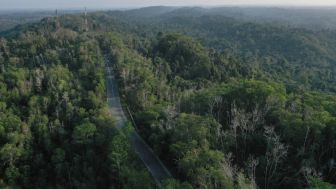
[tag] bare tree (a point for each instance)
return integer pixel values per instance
(170, 113)
(244, 122)
(252, 165)
(229, 171)
(38, 78)
(239, 120)
(276, 152)
(215, 102)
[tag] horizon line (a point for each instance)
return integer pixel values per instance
(77, 8)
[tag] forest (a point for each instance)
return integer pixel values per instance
(224, 101)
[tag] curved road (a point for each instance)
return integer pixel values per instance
(158, 171)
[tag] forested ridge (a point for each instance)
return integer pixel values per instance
(224, 102)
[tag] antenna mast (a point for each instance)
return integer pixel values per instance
(57, 20)
(86, 21)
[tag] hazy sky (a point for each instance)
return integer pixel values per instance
(52, 4)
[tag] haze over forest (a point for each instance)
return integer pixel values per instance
(106, 4)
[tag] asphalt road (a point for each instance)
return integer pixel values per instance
(145, 153)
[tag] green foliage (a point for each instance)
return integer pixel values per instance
(229, 105)
(131, 178)
(84, 133)
(174, 184)
(55, 128)
(186, 57)
(120, 149)
(317, 183)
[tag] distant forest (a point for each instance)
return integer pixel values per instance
(227, 97)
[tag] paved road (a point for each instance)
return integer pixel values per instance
(146, 154)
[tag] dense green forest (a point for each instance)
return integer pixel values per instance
(224, 102)
(55, 128)
(12, 19)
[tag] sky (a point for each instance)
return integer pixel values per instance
(107, 4)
